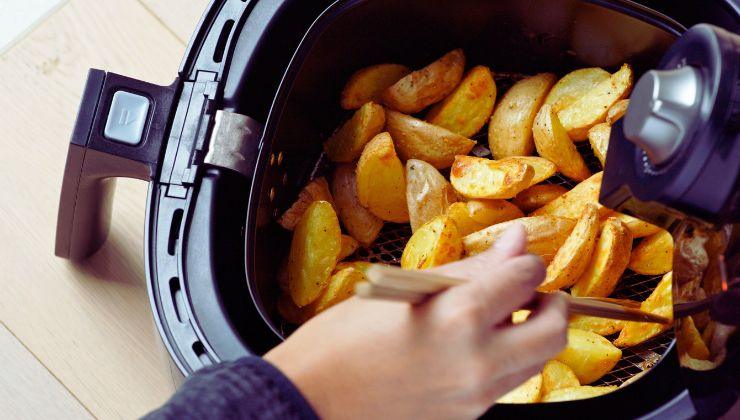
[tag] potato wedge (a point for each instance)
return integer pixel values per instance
(369, 83)
(360, 223)
(475, 177)
(543, 168)
(426, 86)
(590, 109)
(573, 257)
(433, 244)
(654, 255)
(510, 128)
(474, 215)
(517, 317)
(341, 287)
(689, 340)
(314, 251)
(600, 326)
(572, 203)
(417, 139)
(315, 190)
(537, 196)
(459, 213)
(617, 111)
(552, 142)
(660, 302)
(545, 234)
(557, 375)
(598, 137)
(346, 144)
(590, 355)
(360, 266)
(578, 393)
(381, 182)
(574, 85)
(638, 228)
(290, 311)
(609, 260)
(528, 392)
(428, 194)
(349, 246)
(468, 107)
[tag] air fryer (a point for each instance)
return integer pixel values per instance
(229, 144)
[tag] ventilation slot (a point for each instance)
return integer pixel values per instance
(178, 299)
(174, 231)
(218, 53)
(200, 351)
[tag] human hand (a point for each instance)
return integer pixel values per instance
(450, 357)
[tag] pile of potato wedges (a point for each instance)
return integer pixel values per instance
(404, 156)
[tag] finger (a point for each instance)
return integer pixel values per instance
(543, 335)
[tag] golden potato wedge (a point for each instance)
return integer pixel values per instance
(545, 234)
(590, 109)
(573, 257)
(590, 355)
(638, 228)
(459, 213)
(689, 341)
(426, 86)
(517, 317)
(346, 144)
(381, 182)
(510, 128)
(349, 246)
(660, 302)
(360, 266)
(574, 85)
(528, 392)
(475, 177)
(600, 326)
(557, 375)
(433, 244)
(490, 212)
(341, 287)
(654, 255)
(610, 258)
(417, 139)
(578, 393)
(571, 204)
(553, 143)
(598, 137)
(537, 196)
(290, 311)
(369, 83)
(315, 190)
(467, 109)
(543, 168)
(617, 111)
(359, 221)
(314, 251)
(428, 194)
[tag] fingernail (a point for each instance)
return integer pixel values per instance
(513, 241)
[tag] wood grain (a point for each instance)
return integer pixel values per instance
(89, 324)
(28, 390)
(180, 16)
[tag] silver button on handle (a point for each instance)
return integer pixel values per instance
(663, 108)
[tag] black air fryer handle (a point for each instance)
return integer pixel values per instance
(94, 160)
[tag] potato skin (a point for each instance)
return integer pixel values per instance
(571, 204)
(609, 260)
(590, 355)
(360, 223)
(537, 196)
(346, 144)
(598, 137)
(369, 83)
(660, 302)
(510, 128)
(574, 85)
(435, 243)
(426, 86)
(654, 255)
(314, 251)
(315, 190)
(475, 177)
(469, 106)
(417, 139)
(381, 182)
(552, 142)
(428, 194)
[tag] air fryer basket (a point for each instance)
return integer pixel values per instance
(511, 37)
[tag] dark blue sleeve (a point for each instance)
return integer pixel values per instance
(248, 388)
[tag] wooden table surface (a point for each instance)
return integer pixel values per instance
(77, 340)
